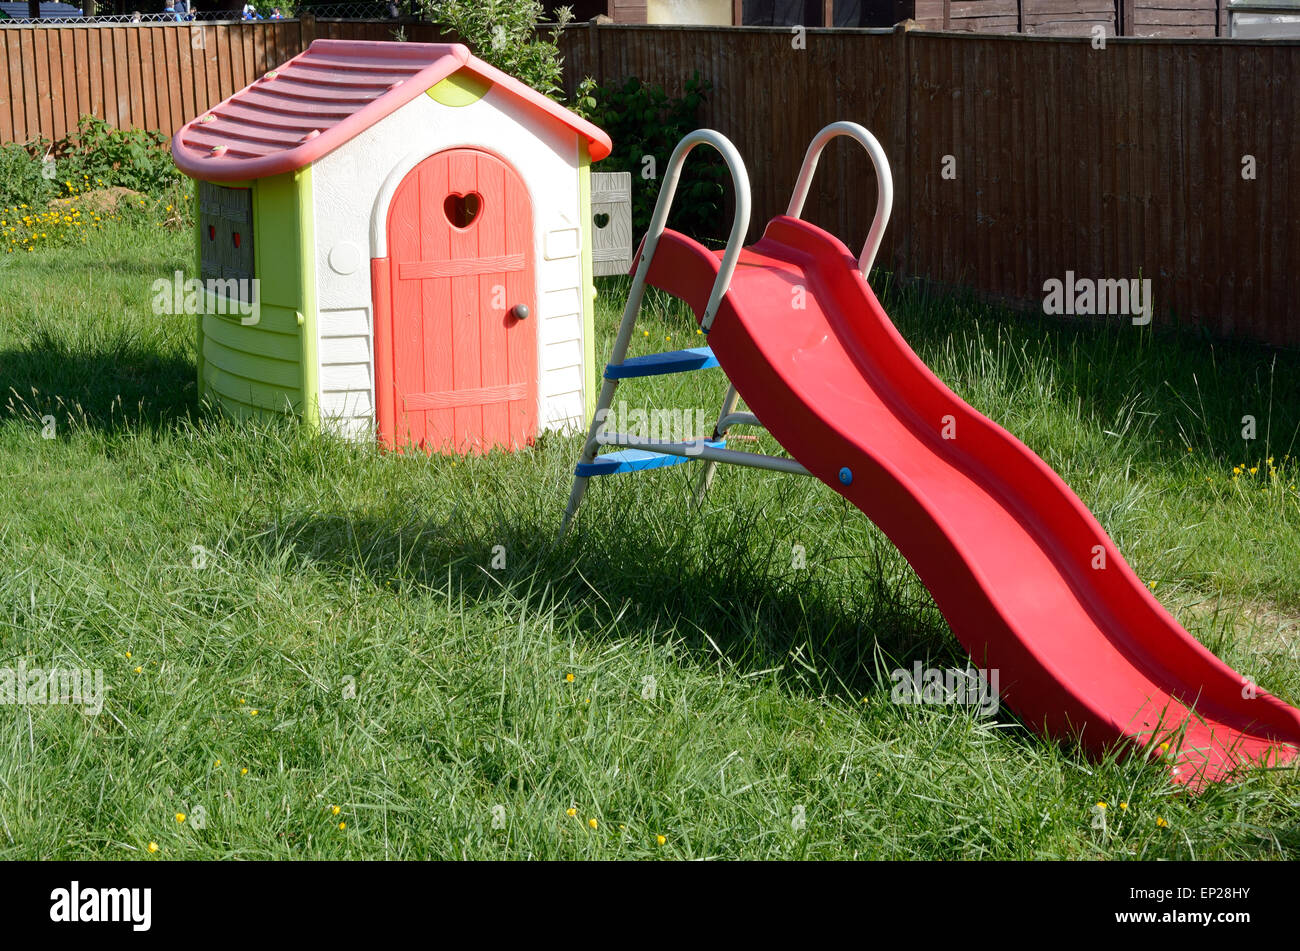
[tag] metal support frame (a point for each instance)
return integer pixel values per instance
(727, 414)
(658, 221)
(698, 449)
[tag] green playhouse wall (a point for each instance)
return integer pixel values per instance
(588, 292)
(268, 368)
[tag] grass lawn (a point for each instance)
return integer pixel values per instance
(307, 652)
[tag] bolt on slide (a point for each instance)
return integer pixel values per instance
(1028, 580)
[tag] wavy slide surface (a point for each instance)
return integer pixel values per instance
(1025, 575)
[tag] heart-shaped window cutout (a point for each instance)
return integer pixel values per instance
(461, 210)
(601, 220)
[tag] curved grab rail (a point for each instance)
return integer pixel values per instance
(735, 242)
(739, 224)
(884, 180)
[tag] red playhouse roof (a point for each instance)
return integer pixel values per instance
(326, 95)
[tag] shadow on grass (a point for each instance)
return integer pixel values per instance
(126, 384)
(716, 589)
(151, 270)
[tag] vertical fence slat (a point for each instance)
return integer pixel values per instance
(149, 81)
(14, 41)
(43, 105)
(67, 72)
(81, 69)
(95, 52)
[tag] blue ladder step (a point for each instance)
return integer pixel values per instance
(657, 364)
(634, 460)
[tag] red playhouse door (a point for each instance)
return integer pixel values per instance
(455, 309)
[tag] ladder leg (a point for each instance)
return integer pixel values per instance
(575, 499)
(607, 387)
(589, 450)
(706, 477)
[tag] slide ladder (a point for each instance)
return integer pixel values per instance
(642, 452)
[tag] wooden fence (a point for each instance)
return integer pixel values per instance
(1174, 160)
(148, 76)
(1122, 162)
(1164, 18)
(1151, 18)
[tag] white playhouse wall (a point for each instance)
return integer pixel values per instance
(352, 188)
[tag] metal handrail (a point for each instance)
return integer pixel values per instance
(658, 221)
(739, 224)
(884, 180)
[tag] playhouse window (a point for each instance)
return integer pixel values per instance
(226, 239)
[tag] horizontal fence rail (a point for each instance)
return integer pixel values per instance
(1016, 159)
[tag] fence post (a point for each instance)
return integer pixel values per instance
(306, 29)
(902, 136)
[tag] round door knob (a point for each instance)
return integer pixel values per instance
(519, 312)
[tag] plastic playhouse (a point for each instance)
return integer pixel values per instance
(1024, 574)
(417, 226)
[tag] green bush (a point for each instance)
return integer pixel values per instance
(133, 158)
(645, 122)
(504, 33)
(25, 177)
(96, 156)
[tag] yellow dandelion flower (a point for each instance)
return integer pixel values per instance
(244, 771)
(216, 764)
(342, 826)
(593, 823)
(128, 655)
(252, 713)
(1101, 805)
(335, 810)
(570, 812)
(660, 840)
(1160, 821)
(568, 678)
(139, 670)
(1123, 805)
(180, 817)
(153, 846)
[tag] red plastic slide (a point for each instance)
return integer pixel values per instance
(1028, 580)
